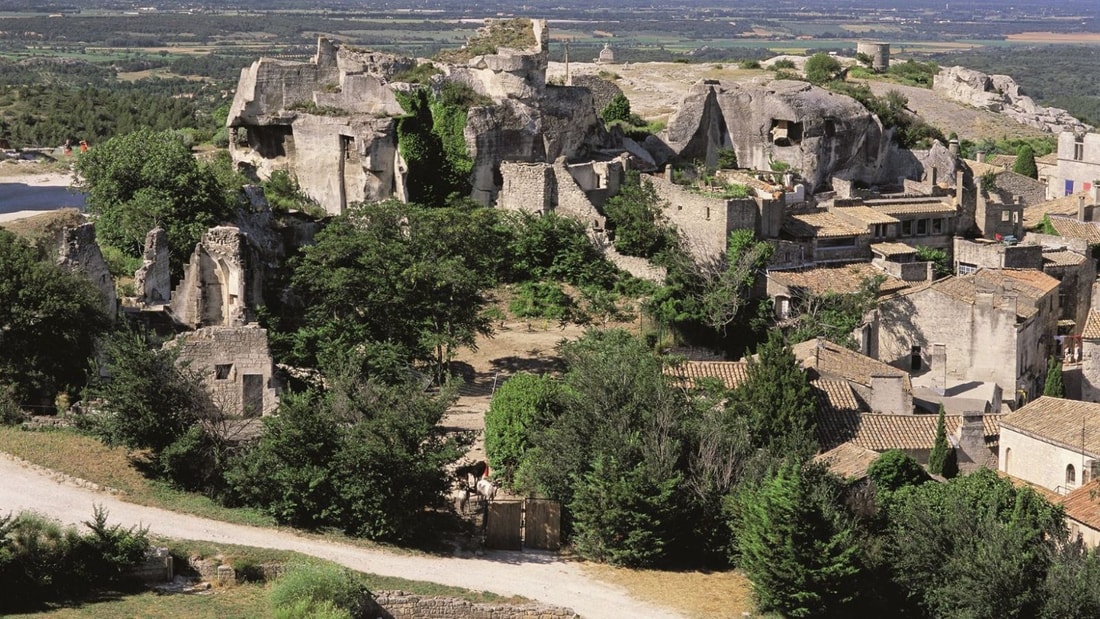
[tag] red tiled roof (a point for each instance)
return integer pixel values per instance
(1070, 424)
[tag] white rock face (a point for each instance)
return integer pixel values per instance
(818, 133)
(1000, 93)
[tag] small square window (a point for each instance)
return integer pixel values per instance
(937, 226)
(222, 371)
(906, 228)
(922, 227)
(1006, 216)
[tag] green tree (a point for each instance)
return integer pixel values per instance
(797, 545)
(834, 315)
(1025, 162)
(725, 293)
(618, 109)
(941, 461)
(522, 404)
(1072, 586)
(1053, 385)
(776, 400)
(894, 470)
(397, 273)
(145, 179)
(822, 68)
(636, 218)
(49, 321)
(976, 547)
(941, 261)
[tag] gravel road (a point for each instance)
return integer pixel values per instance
(539, 576)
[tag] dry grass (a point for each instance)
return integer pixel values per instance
(1055, 37)
(49, 223)
(700, 595)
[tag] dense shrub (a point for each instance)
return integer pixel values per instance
(320, 591)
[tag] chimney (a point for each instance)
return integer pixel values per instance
(888, 395)
(979, 156)
(932, 174)
(971, 439)
(953, 147)
(959, 176)
(938, 368)
(1080, 208)
(668, 173)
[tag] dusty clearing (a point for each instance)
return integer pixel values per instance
(702, 595)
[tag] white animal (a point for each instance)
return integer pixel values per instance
(486, 489)
(460, 496)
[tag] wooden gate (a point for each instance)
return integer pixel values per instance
(504, 525)
(542, 524)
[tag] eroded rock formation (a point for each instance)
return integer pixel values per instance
(80, 253)
(331, 123)
(814, 131)
(1000, 93)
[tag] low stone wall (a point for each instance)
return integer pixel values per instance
(402, 605)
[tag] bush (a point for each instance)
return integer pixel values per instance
(785, 63)
(541, 300)
(523, 403)
(320, 590)
(617, 110)
(749, 64)
(822, 68)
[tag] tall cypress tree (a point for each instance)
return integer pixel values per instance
(1053, 386)
(942, 459)
(1025, 162)
(777, 401)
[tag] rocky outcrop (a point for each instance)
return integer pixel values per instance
(818, 133)
(1000, 93)
(80, 253)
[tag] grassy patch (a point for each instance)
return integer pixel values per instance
(700, 595)
(86, 458)
(235, 602)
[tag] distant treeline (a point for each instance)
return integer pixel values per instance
(1055, 75)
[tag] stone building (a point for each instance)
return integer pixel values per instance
(607, 56)
(153, 281)
(991, 326)
(881, 388)
(221, 284)
(1052, 442)
(879, 53)
(790, 289)
(79, 253)
(1078, 164)
(235, 365)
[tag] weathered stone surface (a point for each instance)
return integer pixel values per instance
(221, 283)
(403, 605)
(816, 132)
(603, 91)
(153, 281)
(1000, 93)
(235, 366)
(79, 253)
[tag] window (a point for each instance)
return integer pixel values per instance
(786, 133)
(838, 242)
(937, 226)
(1006, 216)
(922, 227)
(223, 370)
(914, 358)
(1079, 148)
(907, 228)
(965, 268)
(830, 127)
(1071, 475)
(880, 231)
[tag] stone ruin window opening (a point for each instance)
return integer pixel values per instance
(1006, 216)
(786, 132)
(708, 214)
(222, 371)
(830, 127)
(347, 147)
(914, 358)
(1079, 148)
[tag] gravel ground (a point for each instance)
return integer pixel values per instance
(538, 576)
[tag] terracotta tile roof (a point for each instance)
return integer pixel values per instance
(1005, 162)
(1062, 258)
(1092, 326)
(848, 461)
(1030, 286)
(880, 432)
(843, 279)
(914, 206)
(893, 249)
(730, 373)
(979, 168)
(832, 396)
(1067, 423)
(1083, 504)
(819, 224)
(835, 361)
(865, 214)
(1073, 229)
(1049, 158)
(1050, 495)
(1066, 205)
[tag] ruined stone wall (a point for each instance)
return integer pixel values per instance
(221, 282)
(571, 200)
(79, 253)
(526, 187)
(153, 281)
(705, 221)
(235, 366)
(402, 605)
(997, 255)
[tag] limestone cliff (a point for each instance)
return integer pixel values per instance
(816, 132)
(1000, 93)
(331, 123)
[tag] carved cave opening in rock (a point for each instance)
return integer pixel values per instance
(271, 141)
(786, 132)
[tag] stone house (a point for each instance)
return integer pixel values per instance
(1082, 511)
(1052, 442)
(993, 325)
(222, 283)
(1080, 205)
(235, 365)
(827, 237)
(790, 289)
(975, 436)
(1078, 164)
(880, 388)
(1090, 358)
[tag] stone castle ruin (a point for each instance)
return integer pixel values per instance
(332, 122)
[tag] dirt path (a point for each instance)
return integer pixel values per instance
(539, 576)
